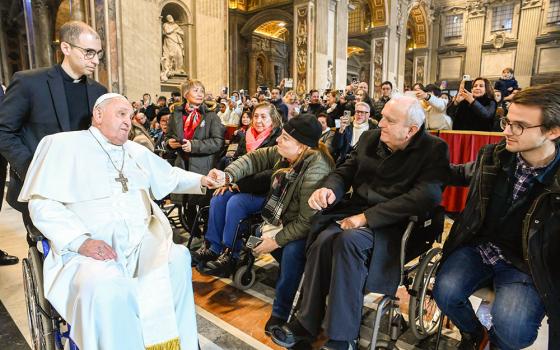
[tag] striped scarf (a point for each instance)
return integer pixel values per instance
(281, 181)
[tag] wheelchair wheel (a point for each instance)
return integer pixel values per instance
(424, 313)
(244, 278)
(384, 345)
(40, 325)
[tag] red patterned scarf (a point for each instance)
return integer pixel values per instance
(191, 120)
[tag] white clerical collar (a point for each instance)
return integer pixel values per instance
(103, 140)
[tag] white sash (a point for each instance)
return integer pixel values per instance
(155, 296)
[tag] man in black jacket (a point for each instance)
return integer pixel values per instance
(45, 101)
(5, 258)
(396, 172)
(314, 105)
(508, 235)
(276, 100)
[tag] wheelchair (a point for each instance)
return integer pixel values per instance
(48, 330)
(418, 269)
(243, 275)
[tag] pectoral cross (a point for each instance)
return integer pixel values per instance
(123, 180)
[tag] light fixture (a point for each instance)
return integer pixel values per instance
(281, 24)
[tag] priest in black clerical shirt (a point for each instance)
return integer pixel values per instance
(45, 101)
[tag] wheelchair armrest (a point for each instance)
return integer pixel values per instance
(413, 218)
(34, 234)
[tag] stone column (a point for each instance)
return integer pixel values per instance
(528, 30)
(42, 26)
(252, 73)
(4, 72)
(234, 52)
(433, 44)
(474, 36)
(378, 60)
(304, 49)
(396, 51)
(340, 63)
(108, 28)
(77, 10)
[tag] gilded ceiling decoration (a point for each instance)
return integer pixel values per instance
(354, 50)
(273, 29)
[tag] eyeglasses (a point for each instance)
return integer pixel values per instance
(362, 112)
(89, 53)
(516, 129)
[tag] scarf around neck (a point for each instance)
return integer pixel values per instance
(191, 120)
(254, 140)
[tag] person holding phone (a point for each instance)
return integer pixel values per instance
(314, 105)
(473, 109)
(351, 128)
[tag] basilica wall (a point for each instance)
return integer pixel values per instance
(204, 32)
(480, 38)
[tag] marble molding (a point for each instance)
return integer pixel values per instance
(301, 49)
(378, 66)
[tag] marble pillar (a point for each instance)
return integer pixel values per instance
(107, 26)
(340, 44)
(252, 73)
(378, 60)
(43, 40)
(4, 71)
(77, 10)
(474, 38)
(433, 45)
(396, 33)
(304, 29)
(528, 30)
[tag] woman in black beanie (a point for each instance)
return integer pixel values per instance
(299, 163)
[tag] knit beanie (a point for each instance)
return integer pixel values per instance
(305, 128)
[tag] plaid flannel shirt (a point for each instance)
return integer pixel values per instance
(524, 177)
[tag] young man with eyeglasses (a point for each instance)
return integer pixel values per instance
(508, 236)
(45, 101)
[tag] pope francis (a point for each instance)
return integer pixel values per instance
(113, 272)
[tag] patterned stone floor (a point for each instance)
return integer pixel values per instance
(227, 317)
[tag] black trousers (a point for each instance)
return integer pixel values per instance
(337, 266)
(11, 197)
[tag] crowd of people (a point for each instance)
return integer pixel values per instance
(334, 177)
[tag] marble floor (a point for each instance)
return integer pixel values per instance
(227, 317)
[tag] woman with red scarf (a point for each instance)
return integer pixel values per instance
(197, 135)
(232, 204)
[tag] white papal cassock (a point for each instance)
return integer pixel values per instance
(144, 299)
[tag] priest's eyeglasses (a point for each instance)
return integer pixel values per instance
(89, 53)
(516, 129)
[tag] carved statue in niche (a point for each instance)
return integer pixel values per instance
(330, 69)
(173, 48)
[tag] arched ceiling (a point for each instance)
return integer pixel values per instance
(418, 27)
(273, 29)
(374, 9)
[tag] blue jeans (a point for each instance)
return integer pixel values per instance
(517, 311)
(225, 213)
(292, 261)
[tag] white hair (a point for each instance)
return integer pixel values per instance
(363, 104)
(415, 113)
